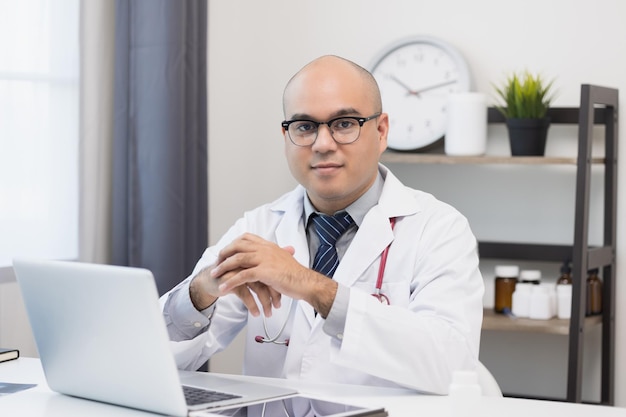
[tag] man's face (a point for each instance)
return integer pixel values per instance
(335, 175)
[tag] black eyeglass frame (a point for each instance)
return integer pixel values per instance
(360, 120)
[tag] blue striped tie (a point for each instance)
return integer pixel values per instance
(328, 229)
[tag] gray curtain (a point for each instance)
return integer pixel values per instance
(160, 137)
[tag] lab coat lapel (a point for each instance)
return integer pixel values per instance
(375, 232)
(373, 236)
(290, 232)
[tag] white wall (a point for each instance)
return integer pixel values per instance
(254, 47)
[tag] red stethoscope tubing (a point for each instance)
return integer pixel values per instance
(381, 270)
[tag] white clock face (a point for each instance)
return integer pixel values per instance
(415, 80)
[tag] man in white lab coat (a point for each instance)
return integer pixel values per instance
(303, 324)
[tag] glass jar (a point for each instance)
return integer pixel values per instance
(594, 293)
(566, 275)
(505, 281)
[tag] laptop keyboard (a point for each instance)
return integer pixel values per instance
(196, 396)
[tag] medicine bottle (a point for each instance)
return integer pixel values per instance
(506, 278)
(566, 275)
(564, 301)
(594, 293)
(465, 394)
(542, 302)
(530, 276)
(564, 292)
(521, 299)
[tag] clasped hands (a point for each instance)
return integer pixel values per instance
(251, 264)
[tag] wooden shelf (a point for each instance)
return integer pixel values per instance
(430, 158)
(501, 322)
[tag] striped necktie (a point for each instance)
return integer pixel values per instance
(328, 229)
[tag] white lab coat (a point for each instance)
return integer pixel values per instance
(431, 328)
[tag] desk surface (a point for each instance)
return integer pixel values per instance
(41, 401)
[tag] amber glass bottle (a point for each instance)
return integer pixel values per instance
(566, 274)
(594, 293)
(506, 278)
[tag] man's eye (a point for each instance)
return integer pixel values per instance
(343, 124)
(305, 127)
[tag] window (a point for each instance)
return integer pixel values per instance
(39, 125)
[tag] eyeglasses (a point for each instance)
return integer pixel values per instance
(344, 130)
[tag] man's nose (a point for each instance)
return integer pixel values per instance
(324, 138)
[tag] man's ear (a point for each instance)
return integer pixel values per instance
(383, 130)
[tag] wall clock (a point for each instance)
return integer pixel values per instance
(416, 75)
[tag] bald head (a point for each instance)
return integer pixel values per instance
(329, 67)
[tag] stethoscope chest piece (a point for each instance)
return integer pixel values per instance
(381, 297)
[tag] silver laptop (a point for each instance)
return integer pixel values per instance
(101, 335)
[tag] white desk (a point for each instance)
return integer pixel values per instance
(41, 401)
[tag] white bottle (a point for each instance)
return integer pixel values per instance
(530, 276)
(551, 289)
(564, 301)
(521, 299)
(465, 394)
(541, 304)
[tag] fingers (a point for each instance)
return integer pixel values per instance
(267, 297)
(234, 262)
(247, 251)
(244, 294)
(244, 243)
(276, 297)
(253, 264)
(236, 278)
(290, 250)
(240, 254)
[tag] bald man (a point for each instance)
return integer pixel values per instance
(352, 277)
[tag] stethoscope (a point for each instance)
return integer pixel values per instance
(381, 271)
(267, 338)
(378, 294)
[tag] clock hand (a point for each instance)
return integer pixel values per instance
(406, 87)
(432, 87)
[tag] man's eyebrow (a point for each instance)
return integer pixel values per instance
(343, 112)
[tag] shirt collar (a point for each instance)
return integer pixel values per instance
(359, 208)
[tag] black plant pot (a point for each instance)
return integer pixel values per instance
(528, 136)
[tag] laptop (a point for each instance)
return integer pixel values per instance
(101, 335)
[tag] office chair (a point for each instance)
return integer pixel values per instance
(487, 382)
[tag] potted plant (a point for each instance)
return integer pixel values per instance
(527, 98)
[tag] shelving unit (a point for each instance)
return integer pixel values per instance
(598, 106)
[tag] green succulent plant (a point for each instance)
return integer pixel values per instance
(525, 96)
